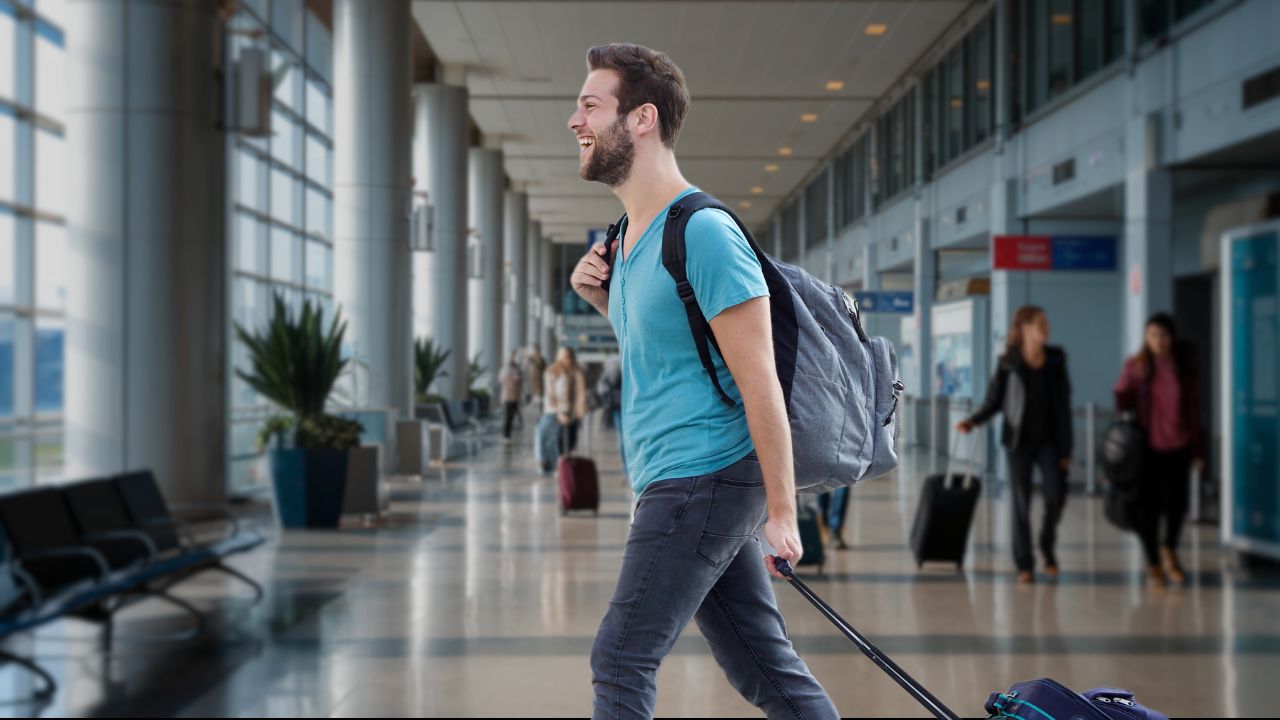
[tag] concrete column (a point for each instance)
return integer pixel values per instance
(1148, 231)
(484, 286)
(550, 303)
(923, 290)
(372, 131)
(532, 287)
(516, 271)
(441, 127)
(146, 354)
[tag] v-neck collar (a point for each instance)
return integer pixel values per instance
(622, 254)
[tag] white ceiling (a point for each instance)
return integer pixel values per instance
(753, 67)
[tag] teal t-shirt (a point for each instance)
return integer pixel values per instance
(673, 422)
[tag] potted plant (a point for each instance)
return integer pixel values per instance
(478, 397)
(295, 361)
(428, 365)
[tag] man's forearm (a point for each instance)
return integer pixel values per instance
(771, 433)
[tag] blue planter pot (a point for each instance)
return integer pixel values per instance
(310, 486)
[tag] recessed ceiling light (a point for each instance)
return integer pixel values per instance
(809, 117)
(745, 204)
(771, 167)
(876, 29)
(984, 85)
(784, 151)
(835, 85)
(957, 102)
(757, 190)
(1060, 18)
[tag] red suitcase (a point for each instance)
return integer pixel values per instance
(579, 484)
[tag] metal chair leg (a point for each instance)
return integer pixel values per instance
(50, 685)
(259, 593)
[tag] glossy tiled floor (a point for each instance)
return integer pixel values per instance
(475, 597)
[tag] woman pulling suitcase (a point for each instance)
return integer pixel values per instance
(1033, 391)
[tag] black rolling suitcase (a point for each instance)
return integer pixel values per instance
(943, 518)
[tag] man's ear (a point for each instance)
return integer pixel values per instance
(645, 118)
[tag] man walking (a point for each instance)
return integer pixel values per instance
(708, 476)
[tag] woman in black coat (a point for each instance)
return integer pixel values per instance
(1032, 390)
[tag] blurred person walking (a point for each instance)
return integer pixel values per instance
(511, 379)
(534, 367)
(832, 506)
(565, 398)
(609, 389)
(692, 551)
(1161, 384)
(1032, 389)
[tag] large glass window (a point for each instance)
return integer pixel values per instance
(283, 217)
(52, 258)
(51, 157)
(895, 148)
(959, 97)
(8, 149)
(33, 239)
(8, 258)
(50, 334)
(1065, 43)
(8, 340)
(8, 49)
(1156, 17)
(791, 232)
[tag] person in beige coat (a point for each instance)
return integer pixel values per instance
(534, 367)
(565, 397)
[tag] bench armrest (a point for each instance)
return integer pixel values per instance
(135, 535)
(104, 569)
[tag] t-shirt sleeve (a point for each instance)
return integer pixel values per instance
(722, 267)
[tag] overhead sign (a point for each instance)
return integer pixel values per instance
(877, 301)
(1054, 252)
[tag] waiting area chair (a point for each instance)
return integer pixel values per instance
(89, 549)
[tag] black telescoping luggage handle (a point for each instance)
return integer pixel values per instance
(908, 683)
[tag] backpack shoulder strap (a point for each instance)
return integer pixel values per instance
(613, 233)
(673, 259)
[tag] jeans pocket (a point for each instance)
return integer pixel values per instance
(732, 518)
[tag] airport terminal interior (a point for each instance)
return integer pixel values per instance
(281, 281)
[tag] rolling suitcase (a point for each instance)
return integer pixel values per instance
(941, 529)
(579, 483)
(1043, 699)
(943, 518)
(908, 683)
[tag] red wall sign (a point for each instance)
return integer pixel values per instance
(1022, 252)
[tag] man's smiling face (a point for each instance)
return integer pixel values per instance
(606, 151)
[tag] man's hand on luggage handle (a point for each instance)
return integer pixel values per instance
(784, 535)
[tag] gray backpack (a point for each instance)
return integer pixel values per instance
(841, 388)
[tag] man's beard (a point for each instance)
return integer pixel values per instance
(611, 157)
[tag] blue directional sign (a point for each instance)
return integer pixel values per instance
(1084, 252)
(877, 301)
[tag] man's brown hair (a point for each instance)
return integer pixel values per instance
(645, 76)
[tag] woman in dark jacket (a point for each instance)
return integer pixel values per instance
(1032, 390)
(1161, 384)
